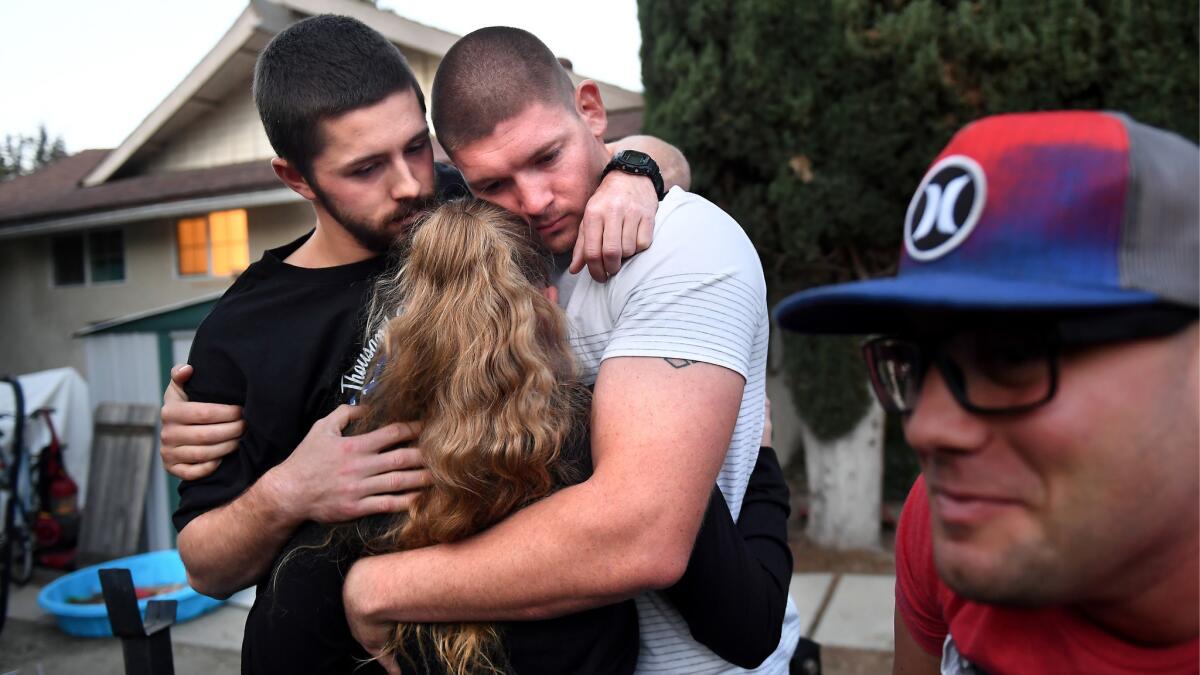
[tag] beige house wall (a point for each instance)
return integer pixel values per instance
(229, 134)
(424, 66)
(39, 318)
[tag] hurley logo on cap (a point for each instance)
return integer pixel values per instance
(945, 208)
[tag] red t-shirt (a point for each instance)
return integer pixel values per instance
(1002, 640)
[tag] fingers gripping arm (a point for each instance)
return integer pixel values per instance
(619, 218)
(195, 436)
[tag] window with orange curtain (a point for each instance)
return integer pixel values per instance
(230, 250)
(216, 244)
(192, 238)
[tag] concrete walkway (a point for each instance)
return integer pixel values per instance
(846, 610)
(851, 611)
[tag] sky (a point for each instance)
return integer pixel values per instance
(92, 71)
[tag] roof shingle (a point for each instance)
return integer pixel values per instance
(54, 191)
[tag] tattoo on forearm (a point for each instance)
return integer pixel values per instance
(678, 363)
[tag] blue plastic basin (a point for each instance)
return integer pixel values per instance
(148, 569)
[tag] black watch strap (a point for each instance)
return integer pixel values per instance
(638, 164)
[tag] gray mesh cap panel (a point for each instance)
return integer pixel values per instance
(1160, 247)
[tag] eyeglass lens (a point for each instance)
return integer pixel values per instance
(986, 371)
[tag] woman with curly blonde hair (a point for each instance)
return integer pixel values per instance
(480, 354)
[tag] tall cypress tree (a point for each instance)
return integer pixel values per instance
(811, 122)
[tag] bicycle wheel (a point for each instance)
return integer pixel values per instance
(8, 497)
(5, 554)
(21, 556)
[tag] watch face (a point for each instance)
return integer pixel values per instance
(635, 158)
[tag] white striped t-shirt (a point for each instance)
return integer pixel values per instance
(697, 293)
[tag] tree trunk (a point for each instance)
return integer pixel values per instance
(845, 484)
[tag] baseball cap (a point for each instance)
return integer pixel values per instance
(1070, 211)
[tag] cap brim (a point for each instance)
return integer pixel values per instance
(896, 303)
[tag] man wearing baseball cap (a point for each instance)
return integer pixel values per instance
(1040, 340)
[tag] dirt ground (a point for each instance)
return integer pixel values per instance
(836, 661)
(810, 558)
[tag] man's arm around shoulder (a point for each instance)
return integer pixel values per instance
(659, 437)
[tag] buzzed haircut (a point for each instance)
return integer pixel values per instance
(318, 68)
(492, 75)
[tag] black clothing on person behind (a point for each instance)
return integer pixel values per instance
(299, 623)
(734, 592)
(284, 343)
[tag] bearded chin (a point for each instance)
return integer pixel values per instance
(374, 238)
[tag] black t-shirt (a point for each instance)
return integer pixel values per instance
(279, 343)
(284, 342)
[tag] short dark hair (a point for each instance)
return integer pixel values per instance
(320, 67)
(489, 76)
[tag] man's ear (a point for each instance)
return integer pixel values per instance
(591, 108)
(292, 178)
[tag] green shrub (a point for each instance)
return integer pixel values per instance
(811, 121)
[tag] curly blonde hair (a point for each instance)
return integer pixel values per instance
(481, 357)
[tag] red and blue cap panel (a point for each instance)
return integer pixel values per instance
(1050, 207)
(1019, 212)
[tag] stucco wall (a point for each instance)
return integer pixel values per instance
(424, 66)
(231, 133)
(37, 319)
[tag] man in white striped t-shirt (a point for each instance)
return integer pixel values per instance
(696, 298)
(675, 346)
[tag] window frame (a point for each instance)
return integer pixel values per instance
(208, 247)
(86, 238)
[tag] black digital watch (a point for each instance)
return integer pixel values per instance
(638, 164)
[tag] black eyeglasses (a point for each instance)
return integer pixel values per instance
(1003, 369)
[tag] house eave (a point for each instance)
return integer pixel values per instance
(261, 20)
(232, 42)
(394, 27)
(266, 17)
(175, 209)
